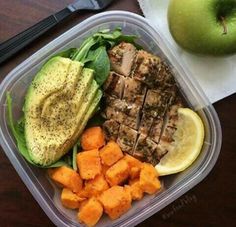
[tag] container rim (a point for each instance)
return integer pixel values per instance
(168, 196)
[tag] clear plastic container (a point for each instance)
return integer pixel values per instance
(36, 179)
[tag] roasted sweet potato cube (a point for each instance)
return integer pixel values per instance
(149, 182)
(92, 138)
(132, 162)
(66, 177)
(83, 194)
(90, 211)
(116, 201)
(117, 173)
(110, 153)
(134, 172)
(95, 186)
(135, 189)
(134, 166)
(104, 169)
(69, 199)
(89, 164)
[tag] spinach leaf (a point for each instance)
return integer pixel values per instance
(17, 131)
(59, 163)
(100, 64)
(82, 52)
(93, 51)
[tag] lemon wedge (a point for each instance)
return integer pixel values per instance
(188, 141)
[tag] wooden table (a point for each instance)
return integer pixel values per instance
(210, 203)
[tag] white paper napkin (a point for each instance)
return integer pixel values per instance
(216, 75)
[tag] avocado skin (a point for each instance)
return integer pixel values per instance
(56, 103)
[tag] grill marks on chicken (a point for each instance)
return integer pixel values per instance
(141, 103)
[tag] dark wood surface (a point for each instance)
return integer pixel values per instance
(211, 203)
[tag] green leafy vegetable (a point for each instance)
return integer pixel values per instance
(17, 131)
(93, 51)
(82, 52)
(100, 64)
(59, 163)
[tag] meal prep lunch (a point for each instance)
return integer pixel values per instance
(108, 121)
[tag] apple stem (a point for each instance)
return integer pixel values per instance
(224, 26)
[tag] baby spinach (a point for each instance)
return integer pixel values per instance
(100, 64)
(93, 51)
(18, 131)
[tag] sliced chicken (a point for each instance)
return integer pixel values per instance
(120, 117)
(114, 85)
(144, 148)
(122, 57)
(162, 149)
(146, 68)
(157, 102)
(171, 120)
(134, 91)
(145, 124)
(127, 138)
(111, 129)
(141, 104)
(165, 77)
(130, 109)
(156, 129)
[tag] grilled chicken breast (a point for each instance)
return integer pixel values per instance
(141, 102)
(122, 57)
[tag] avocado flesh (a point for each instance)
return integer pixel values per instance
(46, 82)
(90, 112)
(53, 113)
(85, 112)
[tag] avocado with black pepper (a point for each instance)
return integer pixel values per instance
(57, 107)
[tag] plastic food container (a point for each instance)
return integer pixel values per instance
(43, 190)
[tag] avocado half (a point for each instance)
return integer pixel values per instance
(59, 102)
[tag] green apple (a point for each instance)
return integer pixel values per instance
(204, 26)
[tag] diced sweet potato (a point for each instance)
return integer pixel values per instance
(149, 182)
(82, 194)
(90, 212)
(117, 173)
(134, 166)
(104, 169)
(89, 164)
(127, 190)
(66, 177)
(132, 162)
(135, 189)
(69, 199)
(116, 201)
(95, 186)
(134, 172)
(92, 138)
(110, 153)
